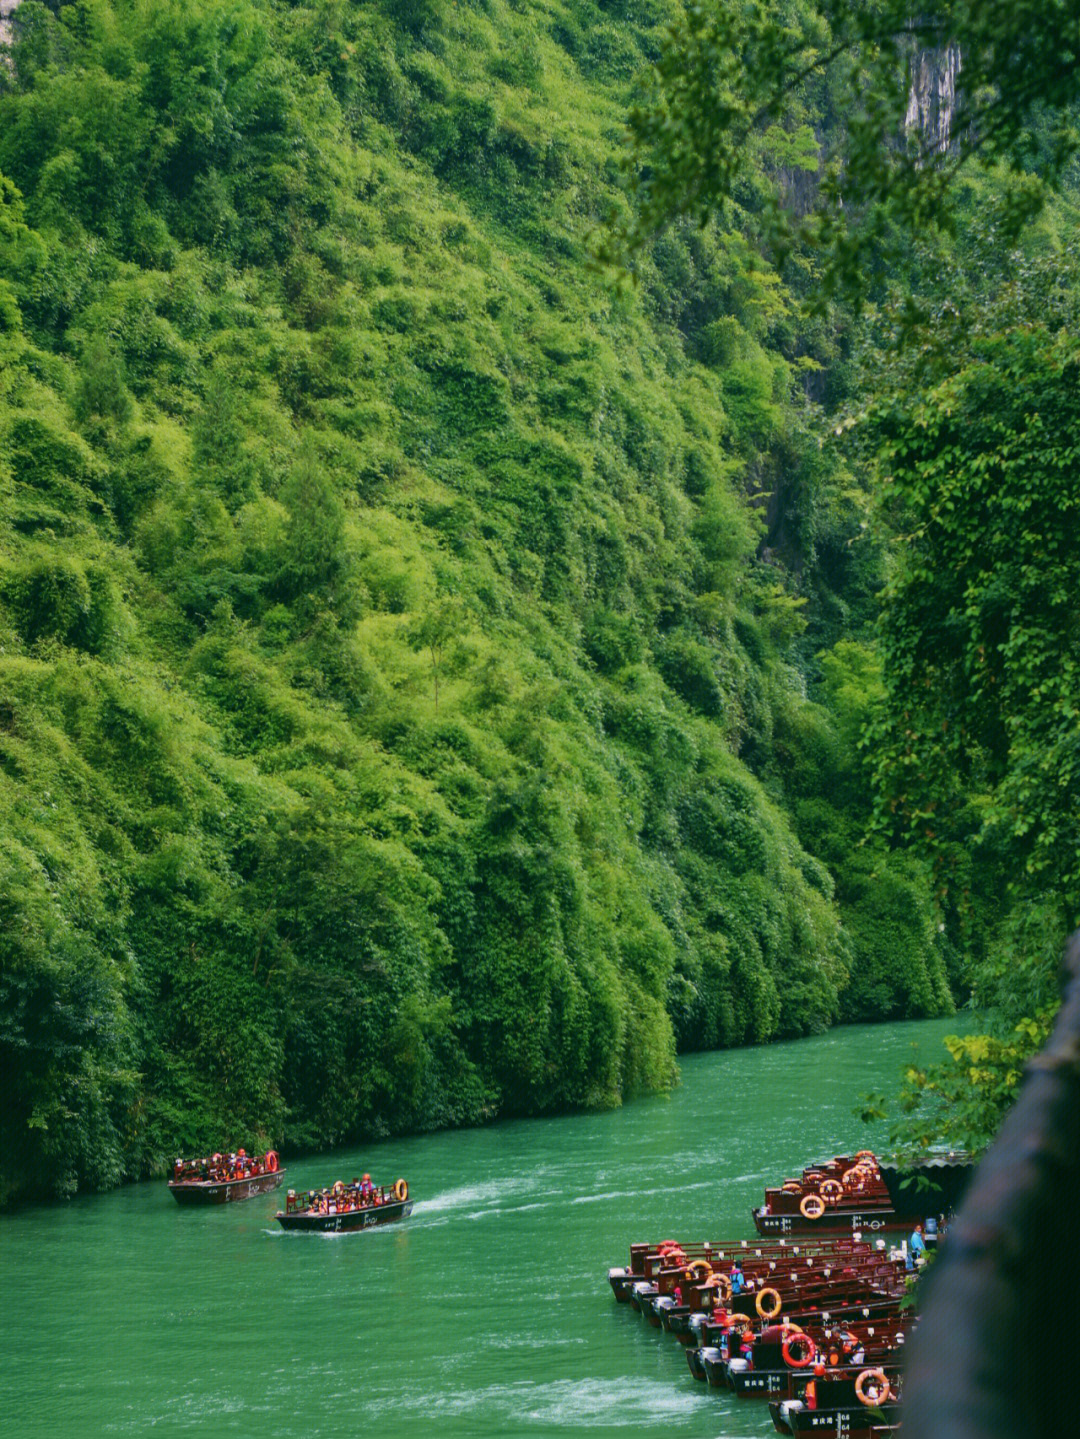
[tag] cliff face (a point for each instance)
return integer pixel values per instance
(932, 95)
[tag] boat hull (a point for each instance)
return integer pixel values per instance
(834, 1222)
(223, 1191)
(350, 1222)
(850, 1422)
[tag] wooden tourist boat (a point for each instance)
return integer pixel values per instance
(859, 1195)
(843, 1195)
(345, 1208)
(649, 1261)
(775, 1362)
(860, 1407)
(815, 1281)
(224, 1179)
(780, 1357)
(791, 1383)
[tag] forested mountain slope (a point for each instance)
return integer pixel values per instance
(405, 636)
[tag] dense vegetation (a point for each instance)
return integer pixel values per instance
(431, 679)
(946, 213)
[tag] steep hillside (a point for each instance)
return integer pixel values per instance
(404, 634)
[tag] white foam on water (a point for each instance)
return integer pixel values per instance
(608, 1194)
(471, 1194)
(575, 1403)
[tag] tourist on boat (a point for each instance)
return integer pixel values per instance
(367, 1190)
(916, 1248)
(738, 1279)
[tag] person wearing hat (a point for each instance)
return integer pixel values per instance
(367, 1190)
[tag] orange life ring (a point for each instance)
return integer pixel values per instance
(866, 1156)
(271, 1161)
(831, 1190)
(853, 1178)
(741, 1322)
(401, 1191)
(773, 1309)
(698, 1271)
(803, 1342)
(879, 1395)
(812, 1206)
(721, 1283)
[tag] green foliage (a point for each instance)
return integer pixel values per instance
(979, 634)
(972, 749)
(746, 99)
(404, 640)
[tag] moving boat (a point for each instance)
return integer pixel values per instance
(224, 1178)
(345, 1208)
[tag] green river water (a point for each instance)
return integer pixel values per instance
(488, 1313)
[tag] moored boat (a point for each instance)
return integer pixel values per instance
(345, 1208)
(855, 1408)
(844, 1195)
(224, 1179)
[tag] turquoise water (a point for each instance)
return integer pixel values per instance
(488, 1313)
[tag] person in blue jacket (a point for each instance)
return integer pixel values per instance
(916, 1248)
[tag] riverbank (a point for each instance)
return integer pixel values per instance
(959, 1023)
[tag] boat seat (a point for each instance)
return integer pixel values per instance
(738, 1366)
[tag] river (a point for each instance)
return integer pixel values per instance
(486, 1314)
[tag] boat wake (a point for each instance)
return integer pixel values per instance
(469, 1196)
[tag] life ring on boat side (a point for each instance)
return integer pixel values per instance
(879, 1394)
(775, 1303)
(271, 1161)
(806, 1346)
(698, 1271)
(831, 1190)
(721, 1283)
(866, 1156)
(401, 1191)
(812, 1206)
(853, 1178)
